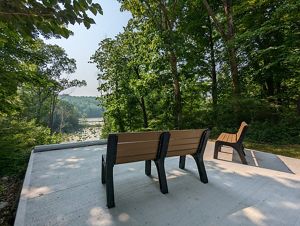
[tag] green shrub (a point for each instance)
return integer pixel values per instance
(17, 138)
(268, 123)
(285, 131)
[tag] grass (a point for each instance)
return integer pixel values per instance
(289, 150)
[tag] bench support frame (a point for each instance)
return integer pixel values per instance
(109, 160)
(198, 157)
(238, 147)
(160, 162)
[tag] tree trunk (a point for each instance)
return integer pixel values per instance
(142, 101)
(61, 125)
(168, 25)
(177, 93)
(39, 107)
(119, 119)
(214, 90)
(52, 109)
(42, 97)
(145, 117)
(231, 49)
(228, 38)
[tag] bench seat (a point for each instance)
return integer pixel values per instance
(228, 137)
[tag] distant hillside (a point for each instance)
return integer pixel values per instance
(86, 106)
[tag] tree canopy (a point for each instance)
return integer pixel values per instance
(24, 58)
(49, 18)
(190, 64)
(32, 75)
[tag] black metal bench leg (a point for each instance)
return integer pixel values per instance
(242, 156)
(201, 168)
(243, 150)
(110, 187)
(148, 167)
(182, 162)
(103, 172)
(160, 165)
(217, 149)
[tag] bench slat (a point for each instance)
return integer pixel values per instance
(226, 137)
(181, 152)
(138, 148)
(132, 137)
(241, 130)
(185, 134)
(135, 158)
(221, 136)
(234, 138)
(174, 142)
(182, 147)
(230, 138)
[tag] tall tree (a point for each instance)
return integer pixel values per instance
(163, 16)
(21, 23)
(228, 36)
(50, 62)
(270, 48)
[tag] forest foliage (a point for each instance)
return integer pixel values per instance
(194, 64)
(31, 73)
(177, 64)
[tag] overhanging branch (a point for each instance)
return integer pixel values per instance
(212, 15)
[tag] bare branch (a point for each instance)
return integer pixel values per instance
(25, 14)
(165, 12)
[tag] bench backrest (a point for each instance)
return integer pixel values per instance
(132, 147)
(242, 132)
(185, 142)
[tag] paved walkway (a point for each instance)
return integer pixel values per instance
(63, 187)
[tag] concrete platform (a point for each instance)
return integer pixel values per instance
(63, 187)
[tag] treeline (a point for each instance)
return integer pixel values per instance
(31, 75)
(190, 64)
(87, 107)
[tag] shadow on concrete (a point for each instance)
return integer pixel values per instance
(232, 197)
(255, 158)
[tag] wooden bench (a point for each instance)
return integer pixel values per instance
(233, 140)
(155, 146)
(133, 147)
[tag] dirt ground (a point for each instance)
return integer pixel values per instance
(10, 189)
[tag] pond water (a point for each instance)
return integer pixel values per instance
(90, 131)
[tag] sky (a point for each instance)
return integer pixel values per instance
(83, 44)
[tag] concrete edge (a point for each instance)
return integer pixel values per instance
(21, 210)
(52, 147)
